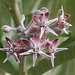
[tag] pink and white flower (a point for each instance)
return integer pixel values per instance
(42, 25)
(51, 46)
(34, 48)
(12, 49)
(62, 20)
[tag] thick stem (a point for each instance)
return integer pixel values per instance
(21, 71)
(22, 66)
(14, 11)
(25, 68)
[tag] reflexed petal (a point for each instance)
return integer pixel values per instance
(66, 16)
(42, 32)
(44, 54)
(59, 12)
(60, 49)
(18, 43)
(62, 12)
(36, 19)
(34, 30)
(52, 59)
(55, 42)
(51, 21)
(27, 43)
(64, 30)
(27, 53)
(36, 40)
(16, 57)
(9, 42)
(5, 49)
(51, 31)
(60, 20)
(43, 36)
(9, 54)
(34, 58)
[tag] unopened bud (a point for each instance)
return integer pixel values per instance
(22, 18)
(39, 13)
(44, 9)
(6, 28)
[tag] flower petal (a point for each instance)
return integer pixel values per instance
(18, 43)
(51, 31)
(66, 16)
(34, 30)
(44, 54)
(45, 17)
(27, 53)
(16, 57)
(59, 12)
(36, 19)
(42, 32)
(9, 54)
(60, 49)
(52, 59)
(36, 40)
(27, 43)
(51, 21)
(5, 49)
(19, 50)
(65, 31)
(45, 45)
(43, 36)
(62, 12)
(55, 42)
(34, 58)
(9, 42)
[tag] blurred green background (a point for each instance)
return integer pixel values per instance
(28, 7)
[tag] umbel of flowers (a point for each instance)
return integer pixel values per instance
(32, 38)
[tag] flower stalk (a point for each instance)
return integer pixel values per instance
(15, 12)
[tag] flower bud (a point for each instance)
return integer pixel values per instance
(39, 13)
(6, 28)
(44, 9)
(22, 18)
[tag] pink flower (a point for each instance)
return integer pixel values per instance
(34, 48)
(51, 46)
(42, 25)
(13, 49)
(62, 20)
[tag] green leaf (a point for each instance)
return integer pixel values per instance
(13, 67)
(30, 6)
(5, 66)
(61, 57)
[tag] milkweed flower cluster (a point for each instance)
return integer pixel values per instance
(33, 37)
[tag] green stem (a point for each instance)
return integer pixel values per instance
(25, 69)
(15, 12)
(22, 66)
